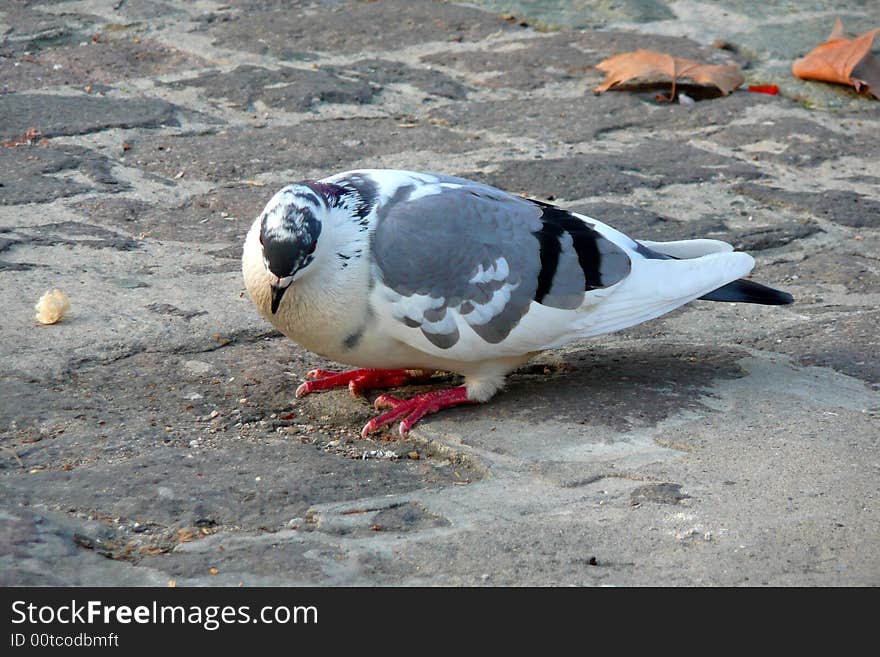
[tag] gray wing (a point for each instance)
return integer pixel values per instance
(459, 248)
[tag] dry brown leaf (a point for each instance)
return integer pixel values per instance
(843, 61)
(648, 66)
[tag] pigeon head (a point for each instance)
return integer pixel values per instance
(289, 231)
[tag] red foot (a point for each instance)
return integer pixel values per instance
(356, 380)
(413, 410)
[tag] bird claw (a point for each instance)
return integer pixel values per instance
(386, 401)
(320, 380)
(408, 411)
(356, 380)
(319, 374)
(414, 409)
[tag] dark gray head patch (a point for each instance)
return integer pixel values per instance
(289, 229)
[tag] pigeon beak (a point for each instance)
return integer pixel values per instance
(277, 292)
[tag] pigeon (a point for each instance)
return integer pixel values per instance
(403, 274)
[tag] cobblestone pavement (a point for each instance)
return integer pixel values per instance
(152, 435)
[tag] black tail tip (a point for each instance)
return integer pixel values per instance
(746, 291)
(785, 298)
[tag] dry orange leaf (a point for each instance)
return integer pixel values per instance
(30, 137)
(843, 60)
(647, 66)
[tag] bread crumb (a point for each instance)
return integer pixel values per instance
(51, 307)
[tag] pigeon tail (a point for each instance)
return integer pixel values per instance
(738, 291)
(657, 286)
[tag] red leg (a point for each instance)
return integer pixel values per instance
(413, 410)
(357, 380)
